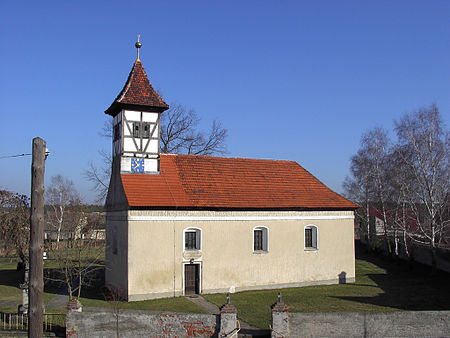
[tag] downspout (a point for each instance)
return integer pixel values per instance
(174, 279)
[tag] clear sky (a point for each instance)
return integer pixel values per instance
(294, 80)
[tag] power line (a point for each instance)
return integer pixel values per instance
(18, 155)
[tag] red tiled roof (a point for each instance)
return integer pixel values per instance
(137, 91)
(188, 181)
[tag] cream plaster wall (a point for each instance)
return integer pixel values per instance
(156, 256)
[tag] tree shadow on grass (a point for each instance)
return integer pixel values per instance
(92, 289)
(11, 277)
(406, 286)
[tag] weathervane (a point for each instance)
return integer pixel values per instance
(138, 45)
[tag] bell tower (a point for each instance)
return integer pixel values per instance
(136, 128)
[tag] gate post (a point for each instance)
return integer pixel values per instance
(228, 317)
(280, 319)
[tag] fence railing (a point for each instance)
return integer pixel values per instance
(53, 322)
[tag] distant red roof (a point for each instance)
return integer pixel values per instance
(188, 181)
(137, 93)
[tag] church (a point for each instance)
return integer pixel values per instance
(188, 224)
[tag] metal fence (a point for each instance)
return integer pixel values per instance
(53, 322)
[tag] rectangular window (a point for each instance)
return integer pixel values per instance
(308, 238)
(116, 131)
(136, 129)
(141, 129)
(258, 240)
(190, 240)
(145, 130)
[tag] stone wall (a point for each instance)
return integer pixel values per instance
(392, 324)
(139, 324)
(131, 323)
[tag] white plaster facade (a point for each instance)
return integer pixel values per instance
(150, 256)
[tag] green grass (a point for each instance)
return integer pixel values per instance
(177, 304)
(381, 286)
(91, 254)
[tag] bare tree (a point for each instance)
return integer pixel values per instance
(180, 134)
(368, 184)
(376, 145)
(113, 295)
(99, 175)
(425, 155)
(356, 188)
(78, 258)
(15, 222)
(407, 183)
(60, 194)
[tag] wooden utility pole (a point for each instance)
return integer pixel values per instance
(36, 288)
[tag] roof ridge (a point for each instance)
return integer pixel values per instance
(232, 158)
(127, 84)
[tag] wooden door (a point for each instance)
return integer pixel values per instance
(191, 279)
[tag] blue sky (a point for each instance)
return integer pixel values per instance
(290, 80)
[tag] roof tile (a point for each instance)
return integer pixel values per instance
(189, 181)
(137, 91)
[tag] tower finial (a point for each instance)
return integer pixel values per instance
(138, 45)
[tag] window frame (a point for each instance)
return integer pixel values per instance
(142, 129)
(264, 239)
(314, 237)
(198, 238)
(136, 129)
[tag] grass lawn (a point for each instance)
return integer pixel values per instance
(177, 304)
(381, 286)
(10, 292)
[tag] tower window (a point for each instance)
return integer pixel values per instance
(116, 131)
(141, 129)
(136, 129)
(145, 130)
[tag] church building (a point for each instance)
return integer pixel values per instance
(185, 224)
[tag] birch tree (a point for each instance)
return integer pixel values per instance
(425, 156)
(370, 173)
(357, 188)
(60, 194)
(406, 182)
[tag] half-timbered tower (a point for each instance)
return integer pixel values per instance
(135, 114)
(180, 224)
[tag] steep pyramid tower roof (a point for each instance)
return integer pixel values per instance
(138, 93)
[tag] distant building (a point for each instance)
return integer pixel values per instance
(182, 224)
